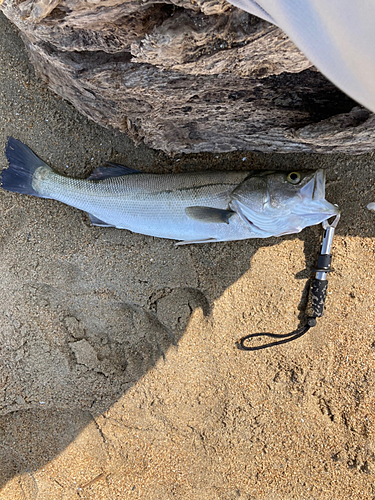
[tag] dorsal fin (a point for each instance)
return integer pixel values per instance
(113, 170)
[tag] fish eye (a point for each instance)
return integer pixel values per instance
(293, 177)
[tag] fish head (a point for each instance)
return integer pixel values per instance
(284, 202)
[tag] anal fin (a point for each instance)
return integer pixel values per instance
(97, 222)
(190, 242)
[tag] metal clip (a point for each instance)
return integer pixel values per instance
(329, 231)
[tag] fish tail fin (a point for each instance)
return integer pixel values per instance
(18, 177)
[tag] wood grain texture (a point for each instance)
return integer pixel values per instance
(188, 76)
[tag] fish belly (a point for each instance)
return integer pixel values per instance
(155, 205)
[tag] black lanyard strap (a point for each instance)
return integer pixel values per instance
(316, 300)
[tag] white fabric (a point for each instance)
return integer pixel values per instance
(337, 36)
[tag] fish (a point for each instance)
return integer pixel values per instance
(191, 207)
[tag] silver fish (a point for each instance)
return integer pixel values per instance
(195, 207)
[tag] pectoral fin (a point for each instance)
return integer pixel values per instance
(209, 214)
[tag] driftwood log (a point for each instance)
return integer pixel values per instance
(188, 76)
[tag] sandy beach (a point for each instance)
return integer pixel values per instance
(119, 372)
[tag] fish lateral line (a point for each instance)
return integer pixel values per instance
(189, 206)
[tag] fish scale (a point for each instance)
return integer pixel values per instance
(192, 207)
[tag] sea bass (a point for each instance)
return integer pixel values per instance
(194, 207)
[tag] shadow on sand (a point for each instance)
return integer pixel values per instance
(86, 312)
(110, 342)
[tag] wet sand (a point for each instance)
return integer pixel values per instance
(119, 372)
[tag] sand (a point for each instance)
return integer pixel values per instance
(119, 372)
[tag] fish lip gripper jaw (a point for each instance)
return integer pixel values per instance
(316, 299)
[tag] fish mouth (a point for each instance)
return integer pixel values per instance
(313, 195)
(314, 189)
(319, 191)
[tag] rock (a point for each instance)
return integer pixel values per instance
(85, 354)
(188, 76)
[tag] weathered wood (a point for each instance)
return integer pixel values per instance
(188, 76)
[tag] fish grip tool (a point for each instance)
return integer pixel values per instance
(316, 299)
